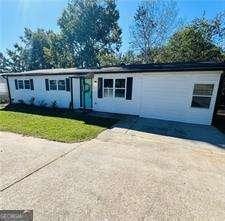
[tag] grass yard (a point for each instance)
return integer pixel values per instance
(58, 125)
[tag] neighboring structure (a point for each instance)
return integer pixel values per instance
(3, 90)
(178, 92)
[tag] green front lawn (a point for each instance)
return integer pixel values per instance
(58, 125)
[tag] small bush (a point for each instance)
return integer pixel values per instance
(54, 105)
(32, 101)
(42, 103)
(21, 101)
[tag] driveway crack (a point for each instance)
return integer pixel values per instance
(39, 168)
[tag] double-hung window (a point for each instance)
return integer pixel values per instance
(120, 87)
(202, 95)
(52, 85)
(27, 84)
(24, 84)
(61, 85)
(108, 87)
(20, 84)
(116, 88)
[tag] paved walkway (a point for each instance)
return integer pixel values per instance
(131, 172)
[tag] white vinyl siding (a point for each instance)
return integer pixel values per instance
(162, 95)
(170, 97)
(62, 97)
(117, 104)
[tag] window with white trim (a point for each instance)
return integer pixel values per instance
(202, 95)
(52, 85)
(61, 85)
(108, 88)
(20, 84)
(24, 84)
(120, 87)
(27, 84)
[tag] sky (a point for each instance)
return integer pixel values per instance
(15, 15)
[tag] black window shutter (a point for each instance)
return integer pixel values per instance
(129, 88)
(67, 84)
(100, 84)
(31, 84)
(16, 84)
(46, 85)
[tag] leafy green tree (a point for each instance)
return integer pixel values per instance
(199, 41)
(112, 59)
(154, 22)
(39, 49)
(17, 59)
(4, 64)
(29, 53)
(57, 53)
(109, 59)
(35, 42)
(130, 58)
(212, 30)
(189, 45)
(90, 28)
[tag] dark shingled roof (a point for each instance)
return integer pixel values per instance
(131, 68)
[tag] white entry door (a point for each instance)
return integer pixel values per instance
(76, 93)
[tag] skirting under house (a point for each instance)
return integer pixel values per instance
(177, 92)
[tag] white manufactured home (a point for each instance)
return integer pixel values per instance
(178, 92)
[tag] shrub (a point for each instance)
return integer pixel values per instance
(54, 105)
(21, 101)
(42, 103)
(32, 101)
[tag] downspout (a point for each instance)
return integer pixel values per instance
(219, 91)
(7, 82)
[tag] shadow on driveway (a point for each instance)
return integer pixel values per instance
(195, 132)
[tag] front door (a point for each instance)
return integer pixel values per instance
(86, 93)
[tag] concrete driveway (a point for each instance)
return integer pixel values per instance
(142, 169)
